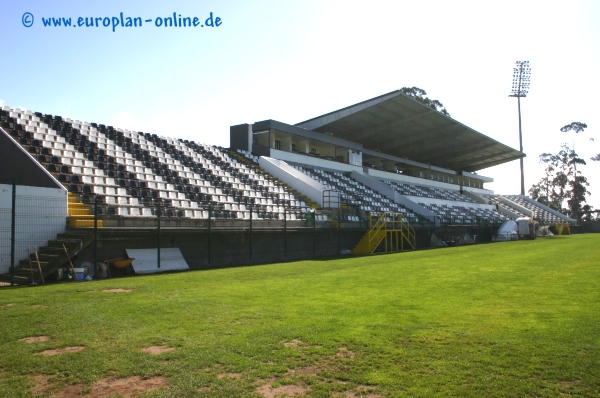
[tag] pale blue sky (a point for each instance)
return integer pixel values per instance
(293, 60)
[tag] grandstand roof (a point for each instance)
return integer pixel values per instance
(396, 124)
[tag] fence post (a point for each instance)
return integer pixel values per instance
(95, 230)
(339, 233)
(209, 232)
(251, 207)
(13, 225)
(158, 235)
(314, 234)
(284, 232)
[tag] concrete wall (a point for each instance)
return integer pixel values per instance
(389, 193)
(314, 162)
(240, 137)
(228, 248)
(295, 179)
(17, 162)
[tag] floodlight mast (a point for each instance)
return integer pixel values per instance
(520, 87)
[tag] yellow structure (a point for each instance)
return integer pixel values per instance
(563, 228)
(79, 215)
(391, 228)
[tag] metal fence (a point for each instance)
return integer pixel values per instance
(27, 222)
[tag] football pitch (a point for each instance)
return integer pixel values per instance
(511, 319)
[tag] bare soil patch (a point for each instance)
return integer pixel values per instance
(157, 350)
(344, 352)
(61, 351)
(113, 291)
(41, 384)
(8, 305)
(307, 371)
(298, 344)
(126, 387)
(235, 376)
(35, 339)
(337, 361)
(292, 390)
(294, 343)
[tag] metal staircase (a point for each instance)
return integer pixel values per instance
(388, 231)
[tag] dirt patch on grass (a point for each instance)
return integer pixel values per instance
(298, 344)
(294, 343)
(113, 291)
(59, 351)
(235, 376)
(307, 371)
(344, 352)
(292, 390)
(296, 381)
(126, 387)
(41, 384)
(157, 350)
(8, 305)
(35, 339)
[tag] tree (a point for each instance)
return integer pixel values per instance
(562, 182)
(552, 189)
(420, 95)
(577, 128)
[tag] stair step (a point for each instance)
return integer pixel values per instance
(78, 212)
(69, 244)
(19, 279)
(78, 223)
(25, 263)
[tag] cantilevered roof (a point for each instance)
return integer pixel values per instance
(396, 124)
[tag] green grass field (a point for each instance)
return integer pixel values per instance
(514, 319)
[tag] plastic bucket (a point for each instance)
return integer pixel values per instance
(79, 274)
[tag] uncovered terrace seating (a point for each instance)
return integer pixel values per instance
(539, 214)
(131, 173)
(428, 192)
(355, 193)
(460, 214)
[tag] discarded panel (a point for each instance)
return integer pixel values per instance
(145, 261)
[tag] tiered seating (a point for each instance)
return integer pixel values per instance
(248, 155)
(133, 173)
(494, 199)
(539, 214)
(428, 192)
(355, 193)
(458, 214)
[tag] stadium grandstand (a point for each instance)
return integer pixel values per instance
(386, 174)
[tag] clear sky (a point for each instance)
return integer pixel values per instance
(294, 60)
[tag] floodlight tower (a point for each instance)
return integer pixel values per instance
(520, 87)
